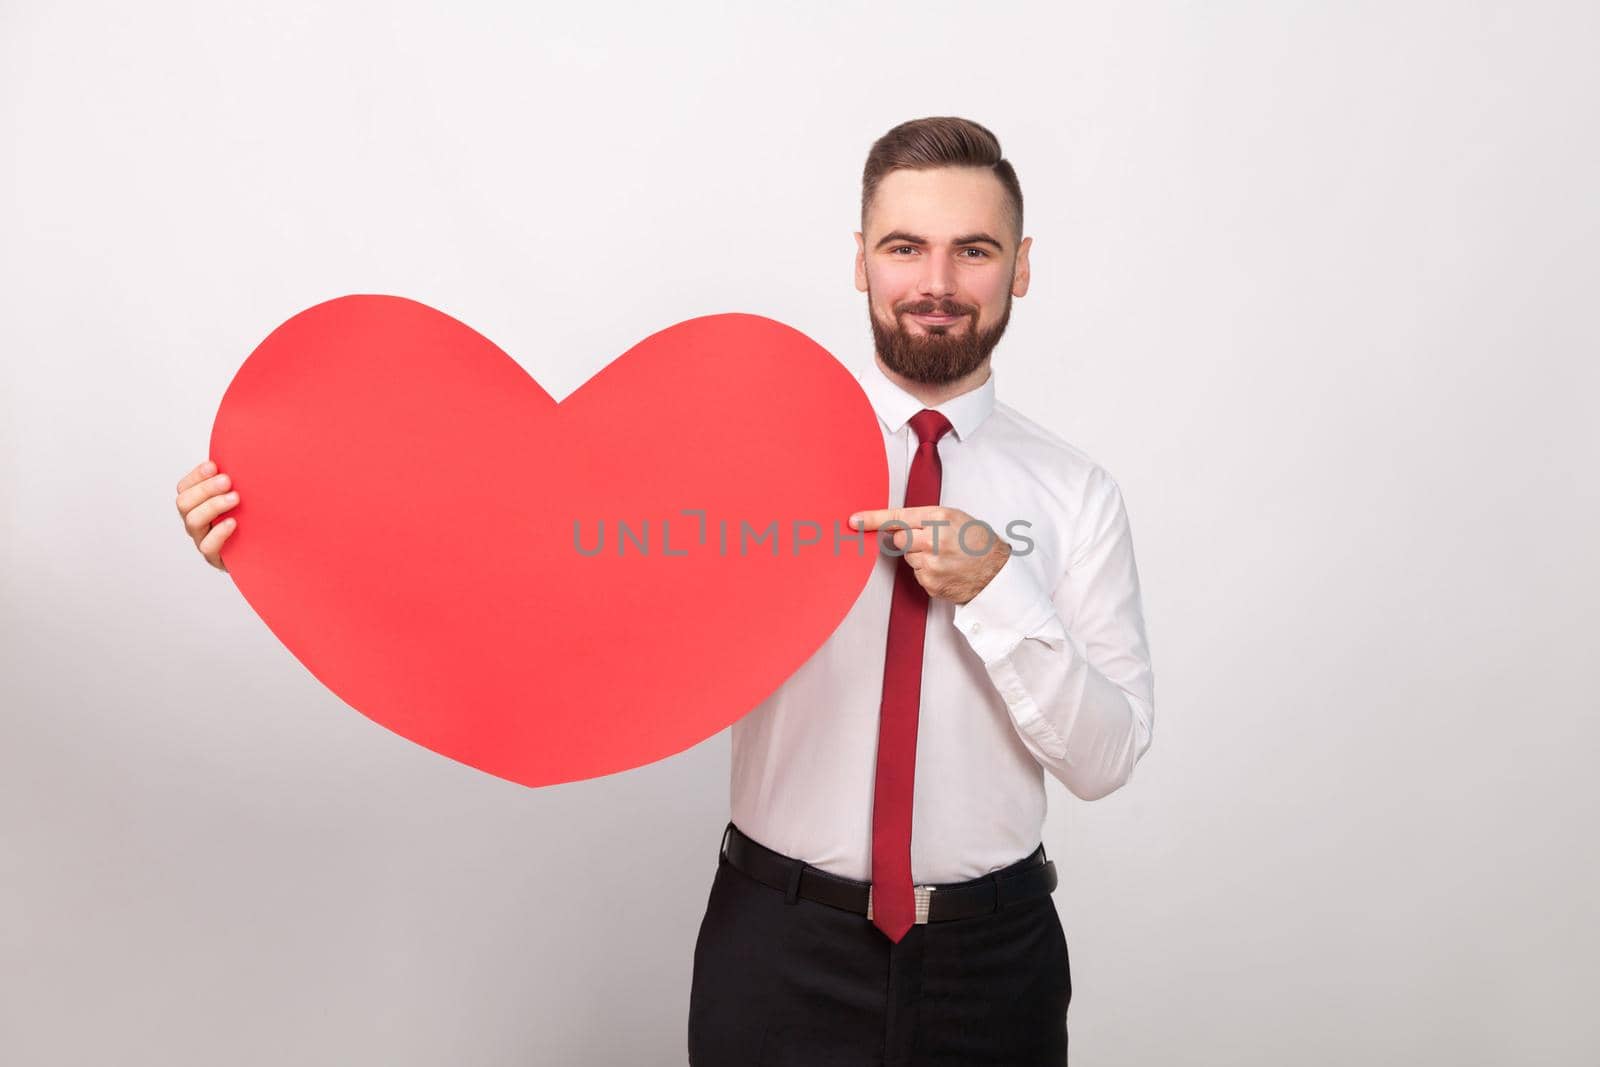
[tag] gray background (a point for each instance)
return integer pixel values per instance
(1314, 281)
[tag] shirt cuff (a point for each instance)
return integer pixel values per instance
(1011, 607)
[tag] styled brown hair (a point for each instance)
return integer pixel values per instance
(944, 141)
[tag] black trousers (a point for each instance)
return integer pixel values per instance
(778, 984)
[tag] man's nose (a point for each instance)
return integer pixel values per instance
(938, 278)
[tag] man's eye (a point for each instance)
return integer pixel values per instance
(902, 248)
(981, 253)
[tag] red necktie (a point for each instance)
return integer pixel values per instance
(893, 903)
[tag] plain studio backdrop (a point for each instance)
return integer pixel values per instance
(1314, 282)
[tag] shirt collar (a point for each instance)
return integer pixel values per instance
(895, 406)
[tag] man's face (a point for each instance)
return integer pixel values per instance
(940, 263)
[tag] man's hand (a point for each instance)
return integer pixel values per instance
(951, 559)
(202, 496)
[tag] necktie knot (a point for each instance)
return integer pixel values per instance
(929, 426)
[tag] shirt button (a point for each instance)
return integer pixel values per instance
(977, 626)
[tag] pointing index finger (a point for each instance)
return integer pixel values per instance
(872, 520)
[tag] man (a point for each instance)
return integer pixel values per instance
(910, 749)
(882, 894)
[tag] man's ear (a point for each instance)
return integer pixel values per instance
(861, 263)
(1019, 281)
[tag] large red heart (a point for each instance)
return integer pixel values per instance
(416, 515)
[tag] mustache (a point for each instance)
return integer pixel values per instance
(933, 307)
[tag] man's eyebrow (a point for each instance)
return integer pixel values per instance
(902, 237)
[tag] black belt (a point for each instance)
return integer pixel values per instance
(1026, 879)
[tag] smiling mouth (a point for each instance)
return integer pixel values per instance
(936, 320)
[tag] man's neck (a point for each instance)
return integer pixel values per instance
(934, 395)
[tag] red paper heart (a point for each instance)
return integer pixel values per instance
(408, 497)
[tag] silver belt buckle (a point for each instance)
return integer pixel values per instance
(921, 896)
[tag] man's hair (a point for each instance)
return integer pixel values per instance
(946, 141)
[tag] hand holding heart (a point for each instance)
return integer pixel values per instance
(950, 558)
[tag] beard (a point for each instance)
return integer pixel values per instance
(937, 356)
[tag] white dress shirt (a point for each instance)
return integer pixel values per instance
(1046, 669)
